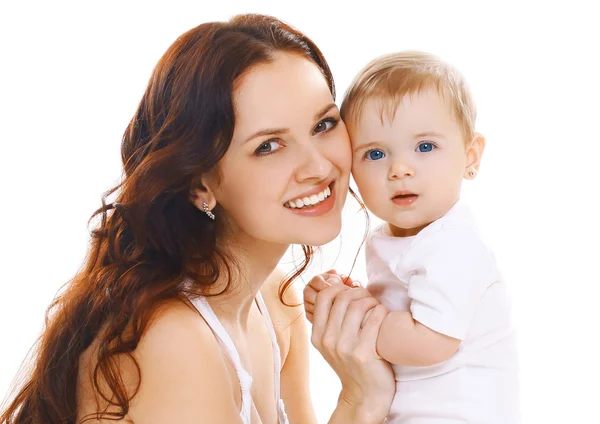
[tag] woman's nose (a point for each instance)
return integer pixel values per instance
(312, 164)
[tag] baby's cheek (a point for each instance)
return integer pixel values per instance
(364, 180)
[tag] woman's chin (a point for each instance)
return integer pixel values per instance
(319, 235)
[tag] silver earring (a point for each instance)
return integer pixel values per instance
(207, 211)
(472, 173)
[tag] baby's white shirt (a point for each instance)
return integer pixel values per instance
(449, 280)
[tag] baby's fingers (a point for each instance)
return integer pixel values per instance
(318, 283)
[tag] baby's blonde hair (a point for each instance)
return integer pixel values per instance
(394, 75)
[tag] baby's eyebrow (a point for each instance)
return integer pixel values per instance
(366, 146)
(429, 134)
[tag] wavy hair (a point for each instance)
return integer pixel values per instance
(150, 238)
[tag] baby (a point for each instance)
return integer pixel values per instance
(448, 335)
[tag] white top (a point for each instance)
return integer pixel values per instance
(244, 377)
(448, 279)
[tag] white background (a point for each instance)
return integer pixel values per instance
(71, 76)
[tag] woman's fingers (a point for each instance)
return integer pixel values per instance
(374, 321)
(322, 310)
(350, 331)
(370, 330)
(357, 314)
(345, 304)
(310, 294)
(314, 286)
(309, 309)
(339, 311)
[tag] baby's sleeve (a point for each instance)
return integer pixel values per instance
(450, 269)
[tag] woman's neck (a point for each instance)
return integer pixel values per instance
(253, 262)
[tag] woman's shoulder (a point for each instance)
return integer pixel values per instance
(181, 366)
(178, 321)
(181, 362)
(178, 333)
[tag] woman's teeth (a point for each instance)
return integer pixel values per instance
(309, 201)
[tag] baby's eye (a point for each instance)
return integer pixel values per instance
(375, 154)
(426, 147)
(267, 148)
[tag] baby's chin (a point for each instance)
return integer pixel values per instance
(406, 225)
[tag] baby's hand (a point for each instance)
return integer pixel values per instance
(332, 277)
(321, 282)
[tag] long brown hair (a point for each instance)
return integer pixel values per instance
(148, 237)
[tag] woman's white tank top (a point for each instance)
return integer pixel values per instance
(245, 379)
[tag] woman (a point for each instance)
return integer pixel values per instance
(235, 152)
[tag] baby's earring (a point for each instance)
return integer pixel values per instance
(207, 210)
(472, 172)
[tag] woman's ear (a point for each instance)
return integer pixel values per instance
(202, 195)
(474, 153)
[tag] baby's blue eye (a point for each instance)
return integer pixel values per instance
(375, 154)
(426, 147)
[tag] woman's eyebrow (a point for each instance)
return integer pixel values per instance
(268, 131)
(279, 131)
(325, 110)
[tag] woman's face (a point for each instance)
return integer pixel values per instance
(285, 176)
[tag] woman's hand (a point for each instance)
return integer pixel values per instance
(346, 337)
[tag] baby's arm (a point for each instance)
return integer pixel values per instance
(404, 341)
(450, 272)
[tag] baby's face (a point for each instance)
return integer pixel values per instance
(409, 170)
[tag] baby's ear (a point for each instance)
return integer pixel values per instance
(474, 153)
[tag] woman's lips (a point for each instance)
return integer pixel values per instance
(319, 209)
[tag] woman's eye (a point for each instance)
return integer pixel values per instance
(325, 125)
(375, 154)
(267, 148)
(426, 147)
